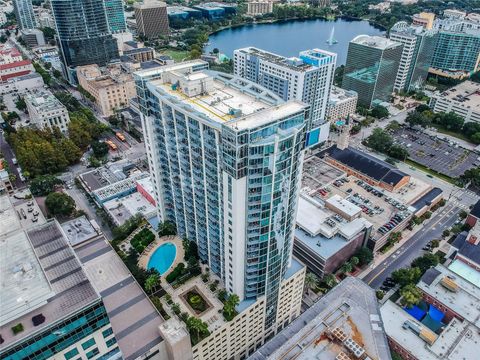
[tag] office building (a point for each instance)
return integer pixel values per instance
(182, 13)
(46, 111)
(229, 178)
(372, 65)
(418, 49)
(50, 309)
(463, 100)
(24, 14)
(152, 18)
(111, 87)
(457, 51)
(259, 7)
(307, 78)
(344, 324)
(115, 16)
(33, 37)
(216, 10)
(424, 19)
(83, 34)
(341, 104)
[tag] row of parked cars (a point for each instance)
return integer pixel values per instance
(387, 284)
(369, 188)
(394, 221)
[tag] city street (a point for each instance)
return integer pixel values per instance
(9, 155)
(412, 248)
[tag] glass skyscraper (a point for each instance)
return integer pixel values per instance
(226, 157)
(83, 34)
(24, 14)
(418, 48)
(115, 16)
(371, 68)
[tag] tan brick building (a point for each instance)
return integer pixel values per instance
(112, 87)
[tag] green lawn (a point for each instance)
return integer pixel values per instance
(457, 135)
(430, 171)
(177, 55)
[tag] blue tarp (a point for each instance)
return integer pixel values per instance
(416, 312)
(435, 313)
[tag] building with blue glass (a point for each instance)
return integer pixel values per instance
(418, 49)
(49, 307)
(83, 34)
(23, 10)
(307, 78)
(216, 11)
(371, 68)
(115, 16)
(226, 156)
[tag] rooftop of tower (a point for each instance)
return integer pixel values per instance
(219, 97)
(377, 42)
(307, 60)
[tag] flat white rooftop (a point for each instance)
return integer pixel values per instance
(377, 42)
(465, 301)
(458, 341)
(24, 286)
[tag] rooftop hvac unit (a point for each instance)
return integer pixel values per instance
(449, 284)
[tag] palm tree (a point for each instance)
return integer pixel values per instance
(330, 280)
(311, 281)
(152, 282)
(229, 307)
(346, 268)
(198, 327)
(354, 261)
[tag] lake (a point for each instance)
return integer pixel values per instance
(288, 38)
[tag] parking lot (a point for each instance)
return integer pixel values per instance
(442, 156)
(378, 207)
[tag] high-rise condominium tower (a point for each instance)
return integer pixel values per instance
(371, 68)
(418, 47)
(83, 34)
(24, 14)
(308, 78)
(226, 157)
(115, 16)
(152, 18)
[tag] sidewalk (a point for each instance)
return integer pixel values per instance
(378, 259)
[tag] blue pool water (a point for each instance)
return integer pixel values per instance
(162, 258)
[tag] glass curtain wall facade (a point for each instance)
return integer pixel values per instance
(457, 51)
(24, 14)
(115, 16)
(57, 338)
(371, 69)
(83, 33)
(233, 190)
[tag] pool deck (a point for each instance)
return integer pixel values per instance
(150, 249)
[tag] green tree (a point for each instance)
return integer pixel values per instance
(59, 204)
(379, 140)
(406, 276)
(44, 184)
(197, 328)
(379, 112)
(425, 262)
(152, 282)
(411, 295)
(311, 281)
(48, 33)
(99, 148)
(380, 294)
(416, 118)
(167, 228)
(397, 152)
(346, 268)
(364, 255)
(229, 307)
(330, 280)
(21, 104)
(354, 260)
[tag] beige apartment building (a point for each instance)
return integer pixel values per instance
(152, 18)
(259, 7)
(111, 87)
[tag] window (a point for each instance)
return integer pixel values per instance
(89, 343)
(107, 332)
(111, 342)
(92, 353)
(71, 354)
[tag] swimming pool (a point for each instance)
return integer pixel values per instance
(162, 258)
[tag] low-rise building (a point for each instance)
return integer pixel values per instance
(45, 110)
(259, 7)
(424, 19)
(112, 87)
(463, 100)
(343, 324)
(140, 54)
(33, 37)
(465, 249)
(22, 84)
(341, 103)
(474, 215)
(9, 55)
(449, 328)
(14, 68)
